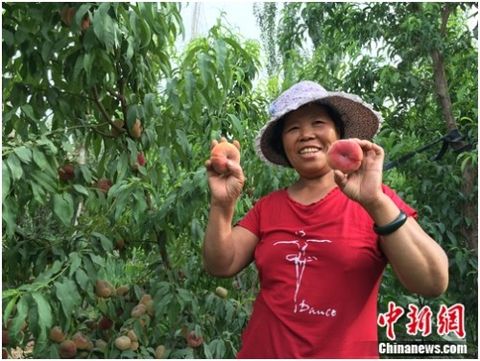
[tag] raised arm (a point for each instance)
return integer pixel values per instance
(419, 262)
(226, 249)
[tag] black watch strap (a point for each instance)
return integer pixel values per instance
(392, 226)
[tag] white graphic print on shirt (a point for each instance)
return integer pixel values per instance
(300, 261)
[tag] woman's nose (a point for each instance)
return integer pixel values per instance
(306, 133)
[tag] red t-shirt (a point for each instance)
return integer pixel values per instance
(320, 268)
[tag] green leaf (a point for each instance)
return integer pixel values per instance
(49, 272)
(28, 110)
(9, 293)
(207, 351)
(38, 192)
(7, 37)
(15, 167)
(149, 104)
(40, 159)
(44, 180)
(9, 308)
(82, 279)
(237, 125)
(107, 243)
(183, 141)
(20, 315)
(44, 311)
(76, 261)
(81, 189)
(205, 71)
(68, 296)
(63, 207)
(189, 85)
(104, 27)
(86, 173)
(81, 11)
(24, 153)
(88, 61)
(78, 67)
(145, 33)
(5, 181)
(218, 345)
(122, 165)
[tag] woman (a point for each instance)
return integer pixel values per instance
(321, 244)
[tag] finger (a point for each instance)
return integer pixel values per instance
(213, 143)
(235, 169)
(208, 166)
(223, 139)
(236, 143)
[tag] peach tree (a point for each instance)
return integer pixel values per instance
(106, 127)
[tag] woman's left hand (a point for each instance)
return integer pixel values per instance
(365, 184)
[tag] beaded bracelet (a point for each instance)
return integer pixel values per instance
(392, 226)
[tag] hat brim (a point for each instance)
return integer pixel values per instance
(359, 121)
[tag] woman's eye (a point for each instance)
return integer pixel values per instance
(293, 128)
(318, 122)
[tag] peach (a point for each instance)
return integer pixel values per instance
(66, 172)
(82, 342)
(193, 340)
(345, 155)
(57, 335)
(105, 323)
(119, 123)
(104, 184)
(137, 129)
(103, 289)
(141, 158)
(221, 292)
(123, 343)
(67, 349)
(139, 310)
(122, 290)
(85, 22)
(160, 352)
(221, 154)
(67, 14)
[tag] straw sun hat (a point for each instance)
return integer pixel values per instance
(358, 118)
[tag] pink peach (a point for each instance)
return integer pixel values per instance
(345, 155)
(221, 153)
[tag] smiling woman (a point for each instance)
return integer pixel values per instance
(329, 229)
(307, 133)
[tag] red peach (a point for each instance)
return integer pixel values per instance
(104, 185)
(105, 323)
(221, 154)
(141, 158)
(193, 340)
(66, 172)
(345, 155)
(85, 22)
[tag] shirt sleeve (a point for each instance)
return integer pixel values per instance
(251, 220)
(409, 211)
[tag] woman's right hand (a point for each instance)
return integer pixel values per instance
(225, 188)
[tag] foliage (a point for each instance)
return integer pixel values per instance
(75, 89)
(91, 89)
(383, 51)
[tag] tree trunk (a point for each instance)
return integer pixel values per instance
(469, 211)
(441, 88)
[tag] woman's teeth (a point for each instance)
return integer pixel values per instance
(308, 150)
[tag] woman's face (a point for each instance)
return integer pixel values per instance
(307, 134)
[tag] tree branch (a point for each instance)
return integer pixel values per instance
(121, 96)
(103, 111)
(446, 11)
